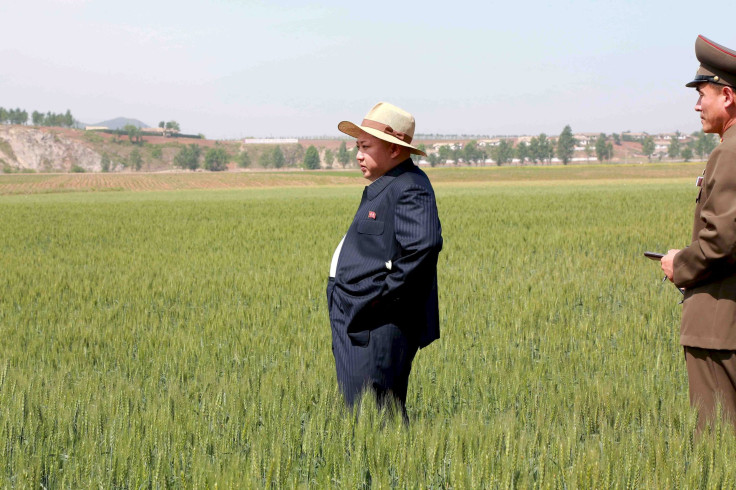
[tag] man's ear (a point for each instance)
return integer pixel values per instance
(396, 150)
(730, 96)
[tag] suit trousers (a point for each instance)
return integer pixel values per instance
(712, 379)
(381, 364)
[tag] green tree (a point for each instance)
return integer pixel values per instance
(105, 162)
(277, 157)
(294, 155)
(156, 152)
(17, 116)
(68, 119)
(343, 157)
(534, 152)
(687, 153)
(434, 159)
(647, 147)
(616, 139)
(522, 152)
(265, 159)
(3, 115)
(470, 152)
(705, 143)
(541, 148)
(601, 150)
(503, 152)
(444, 153)
(188, 157)
(243, 159)
(565, 145)
(162, 125)
(133, 132)
(549, 148)
(37, 118)
(216, 159)
(456, 153)
(311, 158)
(173, 126)
(674, 149)
(329, 157)
(135, 160)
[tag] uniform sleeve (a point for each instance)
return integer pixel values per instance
(419, 236)
(714, 247)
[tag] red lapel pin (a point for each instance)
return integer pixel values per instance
(372, 214)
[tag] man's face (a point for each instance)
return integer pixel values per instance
(711, 107)
(374, 156)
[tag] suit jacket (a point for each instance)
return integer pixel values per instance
(387, 268)
(707, 267)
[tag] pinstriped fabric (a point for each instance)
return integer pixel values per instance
(383, 298)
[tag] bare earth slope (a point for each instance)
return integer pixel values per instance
(23, 148)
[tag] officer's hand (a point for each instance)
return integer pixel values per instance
(667, 261)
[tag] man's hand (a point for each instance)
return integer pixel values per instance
(667, 261)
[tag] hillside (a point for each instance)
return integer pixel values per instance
(53, 149)
(121, 122)
(41, 150)
(30, 149)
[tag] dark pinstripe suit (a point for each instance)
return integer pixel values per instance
(383, 298)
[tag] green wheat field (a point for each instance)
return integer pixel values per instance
(180, 338)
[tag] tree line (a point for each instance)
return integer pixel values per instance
(701, 145)
(540, 148)
(192, 157)
(543, 149)
(20, 116)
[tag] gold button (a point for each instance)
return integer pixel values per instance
(715, 78)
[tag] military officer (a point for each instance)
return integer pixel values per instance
(707, 267)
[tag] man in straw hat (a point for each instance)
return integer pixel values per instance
(707, 267)
(382, 290)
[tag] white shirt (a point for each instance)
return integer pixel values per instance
(335, 257)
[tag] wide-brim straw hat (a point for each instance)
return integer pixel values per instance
(387, 122)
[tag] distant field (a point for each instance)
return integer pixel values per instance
(48, 183)
(181, 338)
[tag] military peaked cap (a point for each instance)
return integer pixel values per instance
(717, 63)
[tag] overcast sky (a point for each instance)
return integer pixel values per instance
(232, 69)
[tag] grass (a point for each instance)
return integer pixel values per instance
(181, 339)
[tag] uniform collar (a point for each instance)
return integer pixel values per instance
(377, 186)
(729, 133)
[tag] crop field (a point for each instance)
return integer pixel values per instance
(180, 338)
(167, 181)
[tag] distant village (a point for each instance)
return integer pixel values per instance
(588, 147)
(625, 147)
